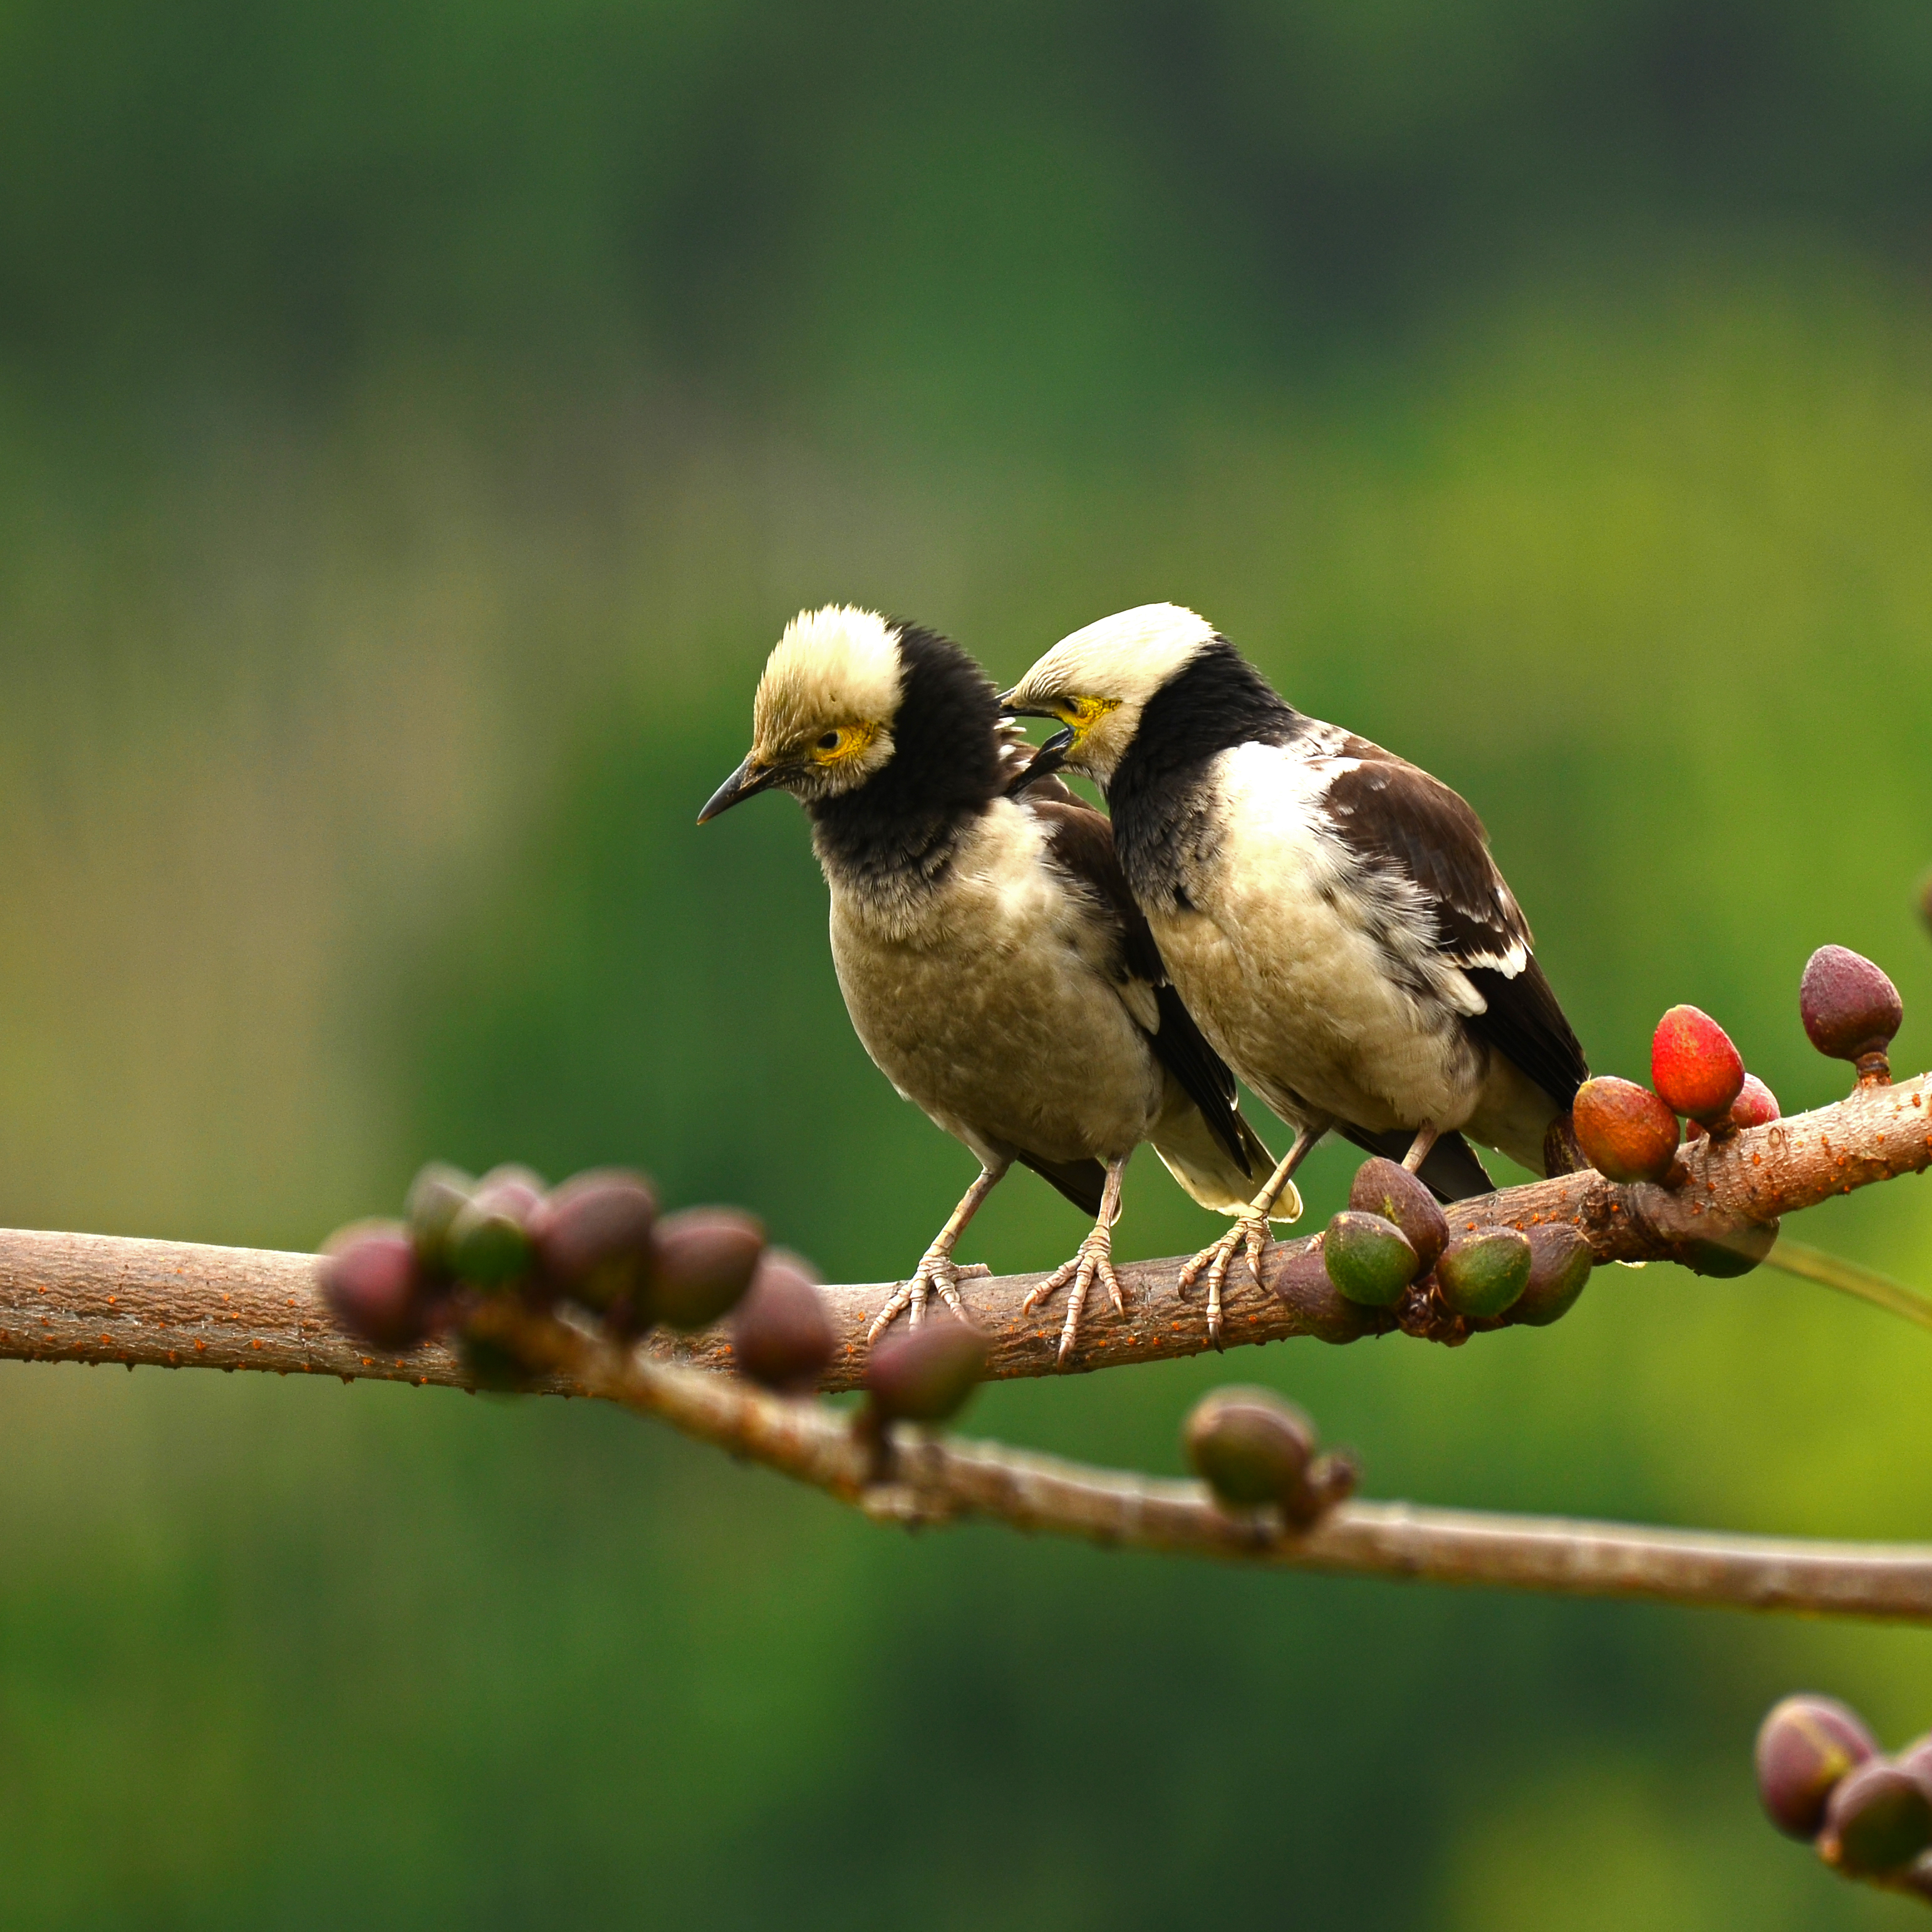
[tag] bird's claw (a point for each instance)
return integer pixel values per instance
(1250, 1232)
(1094, 1261)
(935, 1270)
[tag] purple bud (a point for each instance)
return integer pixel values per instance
(1804, 1746)
(1386, 1188)
(925, 1374)
(1300, 1277)
(1560, 1262)
(1850, 1008)
(1249, 1446)
(703, 1261)
(781, 1337)
(373, 1284)
(512, 1189)
(592, 1238)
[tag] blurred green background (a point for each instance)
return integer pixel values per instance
(416, 423)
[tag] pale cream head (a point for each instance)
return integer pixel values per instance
(822, 721)
(1098, 681)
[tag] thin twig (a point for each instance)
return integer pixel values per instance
(938, 1479)
(99, 1298)
(1810, 1264)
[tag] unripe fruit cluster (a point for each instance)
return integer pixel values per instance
(596, 1243)
(1394, 1237)
(1256, 1451)
(1820, 1777)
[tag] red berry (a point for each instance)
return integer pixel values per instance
(1756, 1106)
(1849, 1007)
(1693, 1065)
(1627, 1132)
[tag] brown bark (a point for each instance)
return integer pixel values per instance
(101, 1298)
(106, 1298)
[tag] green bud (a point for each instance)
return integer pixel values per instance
(702, 1262)
(1560, 1262)
(925, 1374)
(1300, 1277)
(1484, 1273)
(488, 1248)
(1387, 1188)
(1368, 1259)
(1733, 1255)
(1878, 1818)
(1249, 1446)
(437, 1195)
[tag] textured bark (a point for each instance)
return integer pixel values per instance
(926, 1479)
(101, 1298)
(106, 1298)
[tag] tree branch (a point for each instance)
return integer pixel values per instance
(107, 1298)
(101, 1298)
(925, 1479)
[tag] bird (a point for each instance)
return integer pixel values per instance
(1330, 913)
(993, 961)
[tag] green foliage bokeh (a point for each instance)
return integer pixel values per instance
(416, 423)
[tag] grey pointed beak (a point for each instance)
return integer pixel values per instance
(747, 782)
(1049, 758)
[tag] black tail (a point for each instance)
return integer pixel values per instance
(1082, 1181)
(1450, 1167)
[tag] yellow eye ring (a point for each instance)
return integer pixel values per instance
(1084, 713)
(845, 741)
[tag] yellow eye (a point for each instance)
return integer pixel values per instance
(1084, 713)
(845, 741)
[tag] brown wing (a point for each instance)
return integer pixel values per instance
(1399, 820)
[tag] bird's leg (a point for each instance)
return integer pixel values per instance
(937, 1267)
(1251, 1230)
(1096, 1258)
(1425, 1137)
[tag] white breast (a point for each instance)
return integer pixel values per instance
(985, 1003)
(1290, 962)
